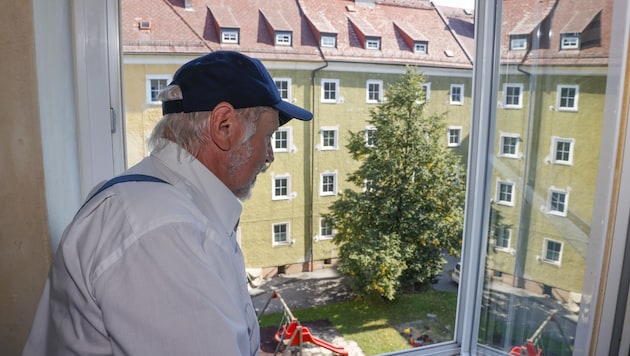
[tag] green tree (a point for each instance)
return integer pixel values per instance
(408, 209)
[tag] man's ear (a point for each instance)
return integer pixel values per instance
(224, 126)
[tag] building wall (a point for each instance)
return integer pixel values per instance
(24, 241)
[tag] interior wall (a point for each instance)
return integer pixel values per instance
(24, 240)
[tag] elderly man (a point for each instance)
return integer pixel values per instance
(151, 266)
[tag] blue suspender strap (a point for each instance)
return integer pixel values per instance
(125, 178)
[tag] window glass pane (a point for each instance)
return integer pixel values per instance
(542, 203)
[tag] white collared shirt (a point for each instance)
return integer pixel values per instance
(150, 269)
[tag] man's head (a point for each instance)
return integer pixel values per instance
(223, 108)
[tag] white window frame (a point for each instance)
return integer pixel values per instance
(321, 230)
(369, 134)
(506, 87)
(368, 91)
(460, 88)
(427, 91)
(323, 98)
(502, 152)
(287, 232)
(367, 185)
(565, 203)
(287, 82)
(500, 234)
(149, 78)
(420, 47)
(326, 129)
(289, 141)
(329, 41)
(321, 184)
(274, 181)
(575, 98)
(498, 200)
(554, 150)
(518, 42)
(373, 43)
(283, 38)
(544, 259)
(230, 35)
(449, 136)
(569, 41)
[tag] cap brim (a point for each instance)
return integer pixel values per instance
(289, 111)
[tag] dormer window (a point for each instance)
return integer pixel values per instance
(229, 36)
(328, 41)
(518, 42)
(569, 41)
(373, 43)
(283, 38)
(420, 46)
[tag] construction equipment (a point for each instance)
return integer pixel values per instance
(531, 348)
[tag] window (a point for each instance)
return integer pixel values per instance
(503, 238)
(509, 145)
(512, 96)
(281, 234)
(328, 41)
(427, 93)
(229, 36)
(328, 184)
(370, 139)
(155, 84)
(330, 90)
(328, 138)
(569, 41)
(457, 94)
(454, 136)
(283, 38)
(552, 251)
(281, 188)
(558, 201)
(518, 42)
(325, 229)
(562, 150)
(368, 185)
(282, 139)
(505, 193)
(567, 97)
(374, 91)
(420, 46)
(373, 43)
(284, 87)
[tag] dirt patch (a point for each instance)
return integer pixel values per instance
(322, 329)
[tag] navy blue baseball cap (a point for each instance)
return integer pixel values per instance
(232, 77)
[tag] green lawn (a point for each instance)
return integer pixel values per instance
(373, 323)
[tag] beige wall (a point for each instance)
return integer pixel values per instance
(24, 241)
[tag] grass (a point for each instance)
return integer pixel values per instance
(372, 323)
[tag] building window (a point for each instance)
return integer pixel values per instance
(229, 36)
(552, 251)
(328, 184)
(512, 96)
(281, 187)
(503, 238)
(558, 201)
(518, 42)
(562, 150)
(330, 90)
(457, 94)
(284, 87)
(155, 84)
(370, 139)
(328, 41)
(569, 41)
(281, 234)
(282, 139)
(420, 46)
(509, 145)
(374, 91)
(283, 38)
(454, 136)
(325, 229)
(505, 193)
(368, 185)
(568, 97)
(328, 138)
(373, 43)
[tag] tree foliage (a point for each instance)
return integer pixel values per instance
(407, 209)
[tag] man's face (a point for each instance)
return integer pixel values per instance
(253, 155)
